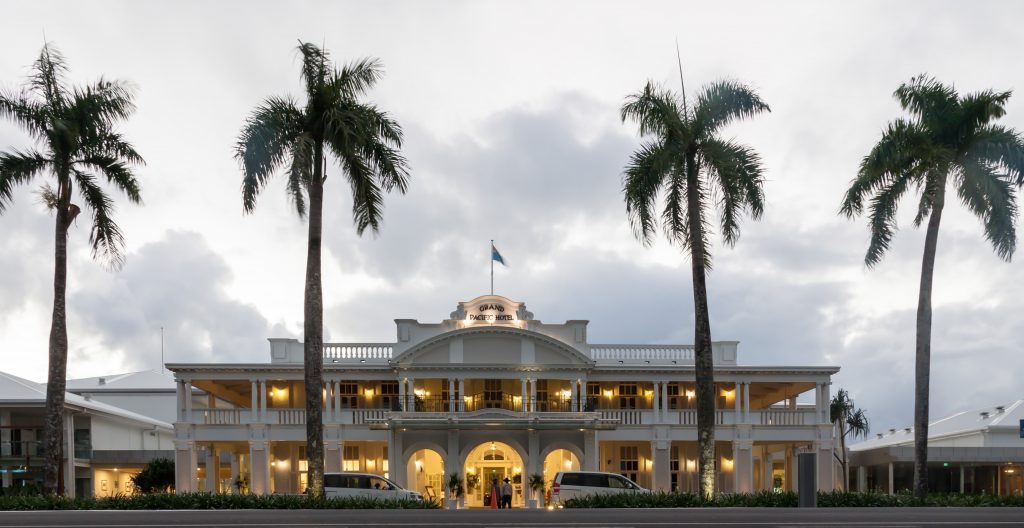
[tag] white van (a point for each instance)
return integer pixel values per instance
(571, 484)
(365, 485)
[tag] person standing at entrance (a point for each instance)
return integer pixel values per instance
(506, 494)
(494, 494)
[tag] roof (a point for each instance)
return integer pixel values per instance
(142, 381)
(1000, 417)
(15, 390)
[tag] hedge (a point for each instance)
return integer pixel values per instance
(203, 501)
(788, 499)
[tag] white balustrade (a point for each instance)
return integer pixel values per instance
(357, 351)
(786, 416)
(676, 354)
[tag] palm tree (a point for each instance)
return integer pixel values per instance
(76, 143)
(684, 160)
(948, 138)
(365, 141)
(850, 421)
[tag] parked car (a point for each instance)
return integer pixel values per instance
(365, 485)
(570, 484)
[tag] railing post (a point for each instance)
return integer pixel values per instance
(451, 395)
(462, 395)
(524, 399)
(263, 401)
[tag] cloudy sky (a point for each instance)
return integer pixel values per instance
(510, 111)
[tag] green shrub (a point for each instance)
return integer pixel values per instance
(156, 477)
(788, 499)
(203, 501)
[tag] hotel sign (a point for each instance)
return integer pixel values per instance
(491, 313)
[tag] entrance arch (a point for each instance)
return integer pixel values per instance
(559, 460)
(425, 473)
(489, 461)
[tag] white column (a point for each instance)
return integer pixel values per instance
(411, 394)
(401, 394)
(535, 465)
(525, 398)
(212, 469)
(254, 408)
(462, 394)
(746, 402)
(655, 406)
(337, 400)
(743, 465)
(181, 400)
(188, 400)
(767, 461)
(451, 395)
(664, 401)
(264, 415)
(826, 397)
(661, 469)
(862, 479)
(572, 395)
(533, 395)
(961, 479)
(591, 453)
(737, 398)
(184, 466)
(891, 485)
(259, 467)
(69, 455)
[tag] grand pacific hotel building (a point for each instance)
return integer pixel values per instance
(492, 392)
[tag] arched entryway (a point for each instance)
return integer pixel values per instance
(489, 462)
(425, 474)
(559, 460)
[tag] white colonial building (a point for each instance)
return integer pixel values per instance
(491, 392)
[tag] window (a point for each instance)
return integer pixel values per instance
(389, 395)
(627, 395)
(673, 396)
(492, 393)
(629, 461)
(349, 394)
(350, 459)
(674, 468)
(379, 483)
(16, 444)
(593, 396)
(542, 396)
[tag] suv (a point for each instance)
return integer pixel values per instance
(571, 484)
(365, 485)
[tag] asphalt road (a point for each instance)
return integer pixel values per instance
(730, 517)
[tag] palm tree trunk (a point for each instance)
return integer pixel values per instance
(842, 445)
(703, 360)
(314, 333)
(58, 350)
(922, 363)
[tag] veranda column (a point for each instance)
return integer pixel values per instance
(213, 470)
(824, 450)
(767, 463)
(743, 465)
(661, 468)
(259, 464)
(184, 465)
(69, 455)
(826, 398)
(264, 415)
(451, 464)
(522, 394)
(411, 393)
(188, 401)
(462, 394)
(7, 478)
(399, 469)
(656, 402)
(181, 400)
(402, 395)
(737, 398)
(535, 466)
(254, 411)
(862, 479)
(591, 453)
(746, 402)
(572, 395)
(664, 401)
(451, 395)
(235, 472)
(533, 395)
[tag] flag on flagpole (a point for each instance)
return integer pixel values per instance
(495, 256)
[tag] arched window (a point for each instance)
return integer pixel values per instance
(494, 455)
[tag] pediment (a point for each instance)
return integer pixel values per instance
(493, 346)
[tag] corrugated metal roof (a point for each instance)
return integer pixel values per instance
(1006, 416)
(140, 381)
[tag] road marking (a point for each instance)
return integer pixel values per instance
(826, 524)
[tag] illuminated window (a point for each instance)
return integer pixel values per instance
(350, 460)
(349, 393)
(389, 395)
(629, 461)
(492, 393)
(627, 395)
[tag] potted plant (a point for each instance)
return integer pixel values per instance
(537, 485)
(455, 491)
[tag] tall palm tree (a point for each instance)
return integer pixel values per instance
(947, 139)
(76, 143)
(684, 160)
(850, 421)
(364, 141)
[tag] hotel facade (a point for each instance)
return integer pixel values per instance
(492, 392)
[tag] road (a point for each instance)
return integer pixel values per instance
(725, 517)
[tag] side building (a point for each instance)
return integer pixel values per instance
(102, 447)
(979, 452)
(491, 392)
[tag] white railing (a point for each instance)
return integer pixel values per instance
(625, 416)
(680, 354)
(362, 416)
(287, 416)
(785, 416)
(357, 351)
(689, 417)
(220, 416)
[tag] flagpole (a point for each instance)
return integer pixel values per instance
(491, 254)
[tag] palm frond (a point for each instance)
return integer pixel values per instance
(101, 105)
(367, 197)
(656, 112)
(738, 171)
(903, 147)
(926, 98)
(674, 215)
(356, 77)
(105, 236)
(722, 102)
(47, 77)
(264, 143)
(18, 167)
(117, 173)
(992, 199)
(1000, 147)
(704, 239)
(980, 108)
(314, 69)
(18, 107)
(300, 172)
(883, 218)
(642, 179)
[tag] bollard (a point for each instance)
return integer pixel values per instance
(807, 481)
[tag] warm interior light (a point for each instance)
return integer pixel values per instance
(726, 464)
(649, 393)
(115, 470)
(566, 393)
(384, 466)
(369, 393)
(303, 465)
(691, 465)
(471, 470)
(689, 394)
(419, 465)
(568, 464)
(279, 393)
(493, 446)
(371, 462)
(607, 393)
(273, 462)
(467, 398)
(420, 392)
(517, 470)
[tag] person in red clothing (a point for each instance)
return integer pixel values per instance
(495, 491)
